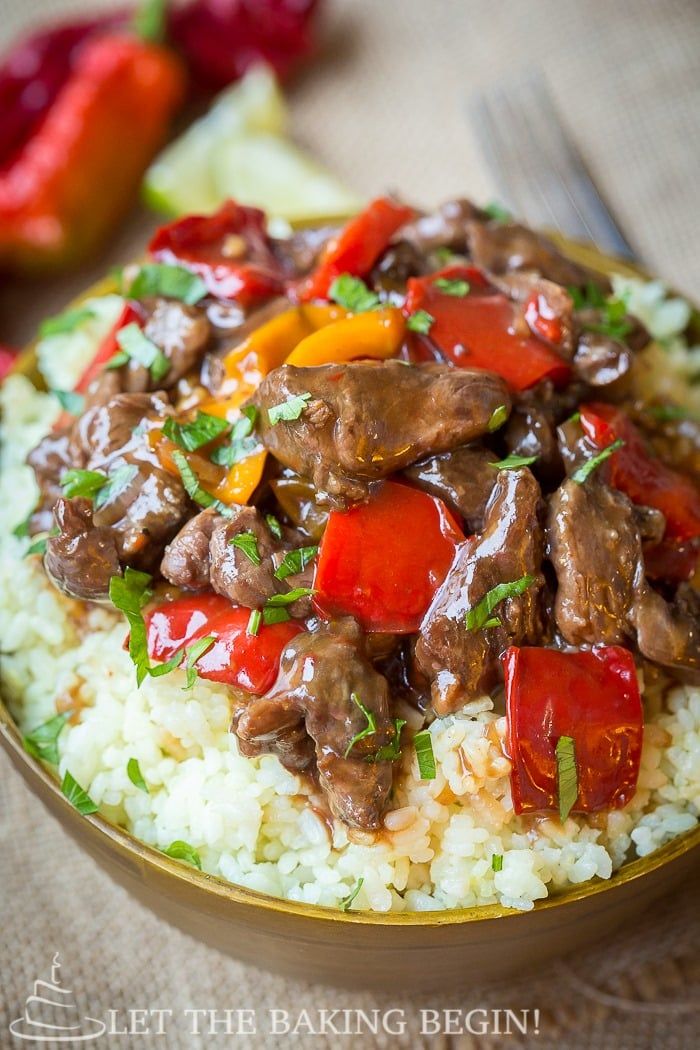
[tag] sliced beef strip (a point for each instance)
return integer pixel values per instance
(464, 664)
(202, 556)
(603, 596)
(83, 557)
(530, 432)
(464, 478)
(367, 420)
(444, 228)
(213, 372)
(309, 718)
(299, 253)
(601, 361)
(501, 248)
(50, 459)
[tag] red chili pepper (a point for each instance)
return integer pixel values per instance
(643, 477)
(108, 347)
(382, 562)
(217, 248)
(480, 330)
(77, 173)
(221, 39)
(8, 356)
(357, 247)
(248, 661)
(592, 697)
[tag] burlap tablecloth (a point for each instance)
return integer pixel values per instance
(385, 105)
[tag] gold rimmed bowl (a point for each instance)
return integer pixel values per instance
(356, 949)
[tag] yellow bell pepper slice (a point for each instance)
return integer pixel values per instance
(377, 334)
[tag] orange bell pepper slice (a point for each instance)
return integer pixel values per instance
(377, 334)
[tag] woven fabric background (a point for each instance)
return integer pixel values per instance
(385, 106)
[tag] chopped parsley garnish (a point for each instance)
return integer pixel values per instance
(86, 483)
(248, 543)
(180, 850)
(421, 321)
(194, 490)
(274, 526)
(22, 528)
(191, 436)
(512, 462)
(274, 614)
(288, 410)
(390, 752)
(669, 413)
(586, 469)
(66, 322)
(70, 401)
(444, 255)
(116, 484)
(423, 744)
(135, 346)
(77, 796)
(39, 545)
(254, 621)
(369, 730)
(497, 862)
(347, 901)
(42, 742)
(613, 312)
(567, 775)
(129, 593)
(242, 443)
(277, 601)
(497, 212)
(574, 417)
(498, 418)
(190, 655)
(480, 615)
(133, 771)
(452, 286)
(171, 281)
(295, 561)
(353, 294)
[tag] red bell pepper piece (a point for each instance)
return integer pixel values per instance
(357, 247)
(8, 356)
(108, 347)
(480, 330)
(78, 172)
(217, 248)
(591, 696)
(634, 470)
(671, 561)
(382, 561)
(248, 661)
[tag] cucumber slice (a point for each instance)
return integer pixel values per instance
(270, 172)
(180, 180)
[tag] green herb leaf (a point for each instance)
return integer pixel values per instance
(137, 347)
(567, 775)
(614, 322)
(498, 418)
(669, 413)
(512, 462)
(369, 730)
(194, 652)
(191, 436)
(479, 616)
(295, 561)
(390, 752)
(42, 742)
(194, 490)
(149, 20)
(347, 901)
(242, 443)
(353, 294)
(421, 321)
(169, 280)
(70, 401)
(423, 744)
(180, 850)
(497, 212)
(274, 526)
(497, 862)
(254, 622)
(38, 546)
(248, 543)
(133, 771)
(452, 286)
(21, 529)
(116, 483)
(288, 410)
(68, 321)
(77, 796)
(158, 670)
(274, 615)
(276, 601)
(574, 417)
(586, 469)
(86, 483)
(129, 593)
(444, 255)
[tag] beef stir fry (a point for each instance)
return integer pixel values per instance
(369, 476)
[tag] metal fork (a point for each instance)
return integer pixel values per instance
(539, 170)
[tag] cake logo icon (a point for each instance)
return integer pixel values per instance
(51, 1015)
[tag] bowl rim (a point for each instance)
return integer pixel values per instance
(37, 774)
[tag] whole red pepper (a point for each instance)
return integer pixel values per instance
(230, 250)
(592, 697)
(357, 247)
(480, 329)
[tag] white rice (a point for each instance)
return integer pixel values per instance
(254, 823)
